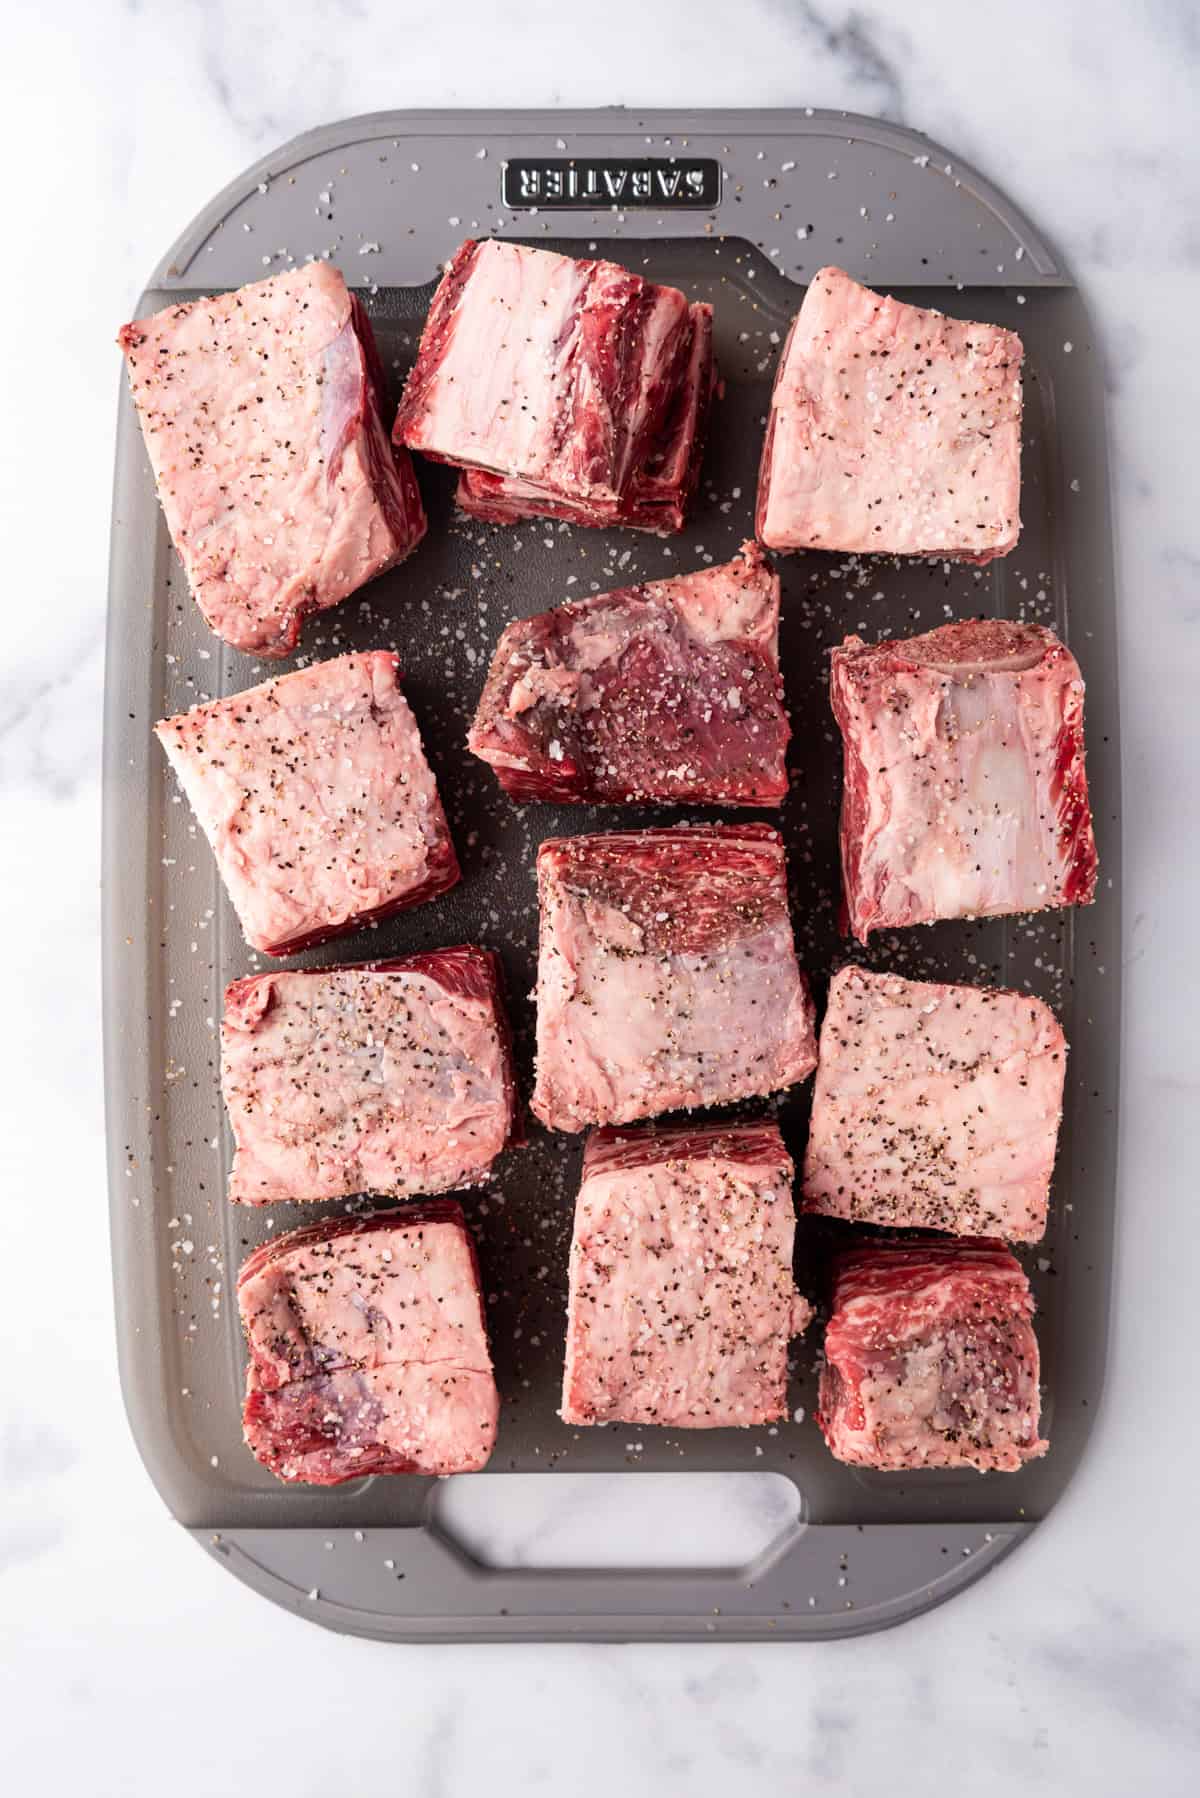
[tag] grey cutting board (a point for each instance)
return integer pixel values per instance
(391, 196)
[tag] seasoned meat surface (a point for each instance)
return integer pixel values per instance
(666, 691)
(661, 487)
(964, 792)
(261, 415)
(681, 1301)
(931, 1359)
(367, 1349)
(935, 1107)
(667, 974)
(555, 371)
(892, 430)
(315, 794)
(392, 1078)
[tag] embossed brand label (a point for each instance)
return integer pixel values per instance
(561, 183)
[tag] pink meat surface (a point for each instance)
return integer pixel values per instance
(392, 1078)
(931, 1359)
(667, 974)
(965, 793)
(368, 1351)
(661, 488)
(316, 797)
(892, 429)
(666, 691)
(555, 371)
(681, 1301)
(935, 1107)
(261, 415)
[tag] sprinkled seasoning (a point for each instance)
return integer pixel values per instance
(316, 797)
(892, 431)
(931, 1359)
(964, 792)
(667, 974)
(681, 1301)
(935, 1107)
(261, 415)
(391, 1079)
(361, 1364)
(669, 690)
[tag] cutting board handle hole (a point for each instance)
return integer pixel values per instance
(628, 1520)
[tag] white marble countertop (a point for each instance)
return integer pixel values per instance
(136, 1666)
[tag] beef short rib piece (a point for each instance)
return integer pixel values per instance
(667, 691)
(553, 371)
(965, 793)
(892, 430)
(931, 1359)
(392, 1078)
(935, 1107)
(368, 1351)
(315, 794)
(681, 1301)
(667, 974)
(261, 415)
(661, 488)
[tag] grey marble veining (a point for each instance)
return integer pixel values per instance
(137, 1666)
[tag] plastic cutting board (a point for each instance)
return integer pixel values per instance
(765, 199)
